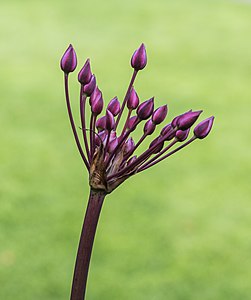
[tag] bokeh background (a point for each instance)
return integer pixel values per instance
(178, 231)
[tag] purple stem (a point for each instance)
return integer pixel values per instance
(67, 97)
(126, 97)
(159, 154)
(82, 116)
(91, 135)
(128, 116)
(167, 155)
(107, 142)
(92, 214)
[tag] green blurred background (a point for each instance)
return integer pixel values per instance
(178, 231)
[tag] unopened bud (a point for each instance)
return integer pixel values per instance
(85, 74)
(112, 145)
(149, 127)
(175, 120)
(139, 58)
(114, 106)
(96, 93)
(145, 109)
(166, 129)
(110, 123)
(68, 61)
(188, 119)
(159, 147)
(96, 102)
(203, 128)
(89, 88)
(133, 100)
(131, 122)
(159, 114)
(101, 124)
(181, 135)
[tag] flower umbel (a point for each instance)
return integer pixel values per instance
(105, 157)
(108, 150)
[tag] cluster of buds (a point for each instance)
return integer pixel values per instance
(109, 153)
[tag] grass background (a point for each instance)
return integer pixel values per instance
(179, 231)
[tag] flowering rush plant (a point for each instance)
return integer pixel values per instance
(108, 150)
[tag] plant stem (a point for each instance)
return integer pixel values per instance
(94, 206)
(72, 121)
(126, 97)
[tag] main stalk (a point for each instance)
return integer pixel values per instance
(95, 203)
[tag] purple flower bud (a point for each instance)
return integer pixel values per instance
(166, 129)
(128, 146)
(110, 122)
(168, 132)
(203, 128)
(131, 160)
(114, 106)
(131, 122)
(149, 127)
(96, 102)
(85, 74)
(112, 145)
(175, 120)
(96, 93)
(159, 147)
(101, 124)
(159, 114)
(139, 59)
(90, 87)
(133, 100)
(69, 60)
(145, 109)
(181, 135)
(188, 119)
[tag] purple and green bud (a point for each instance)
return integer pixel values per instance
(68, 61)
(203, 128)
(85, 74)
(114, 106)
(133, 100)
(159, 114)
(186, 120)
(149, 127)
(89, 88)
(139, 58)
(145, 109)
